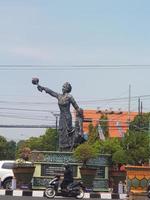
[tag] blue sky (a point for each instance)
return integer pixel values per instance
(74, 32)
(67, 33)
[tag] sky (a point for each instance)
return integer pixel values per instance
(99, 46)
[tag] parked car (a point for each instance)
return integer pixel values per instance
(6, 173)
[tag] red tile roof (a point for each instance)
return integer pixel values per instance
(113, 119)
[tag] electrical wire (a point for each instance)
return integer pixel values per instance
(75, 67)
(23, 109)
(22, 117)
(133, 98)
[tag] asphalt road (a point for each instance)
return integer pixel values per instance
(22, 198)
(35, 198)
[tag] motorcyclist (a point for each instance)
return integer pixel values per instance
(68, 177)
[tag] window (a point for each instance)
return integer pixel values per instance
(8, 165)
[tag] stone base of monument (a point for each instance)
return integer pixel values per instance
(50, 163)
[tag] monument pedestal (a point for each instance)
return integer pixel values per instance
(50, 163)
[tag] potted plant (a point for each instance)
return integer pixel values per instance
(23, 169)
(84, 153)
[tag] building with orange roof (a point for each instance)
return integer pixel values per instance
(117, 121)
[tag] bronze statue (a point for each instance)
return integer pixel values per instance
(67, 133)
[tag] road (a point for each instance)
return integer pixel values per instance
(35, 198)
(33, 195)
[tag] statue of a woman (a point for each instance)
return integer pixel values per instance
(66, 131)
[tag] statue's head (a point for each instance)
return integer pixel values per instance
(66, 87)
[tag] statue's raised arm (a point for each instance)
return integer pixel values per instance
(47, 90)
(35, 81)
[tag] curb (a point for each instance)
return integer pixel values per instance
(36, 193)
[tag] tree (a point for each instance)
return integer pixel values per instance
(133, 148)
(137, 147)
(50, 140)
(110, 145)
(3, 144)
(46, 142)
(19, 146)
(93, 135)
(137, 141)
(104, 125)
(113, 147)
(34, 143)
(10, 150)
(140, 123)
(89, 149)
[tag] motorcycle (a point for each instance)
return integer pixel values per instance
(75, 189)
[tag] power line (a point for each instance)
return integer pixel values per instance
(81, 101)
(54, 126)
(22, 117)
(27, 126)
(75, 67)
(22, 109)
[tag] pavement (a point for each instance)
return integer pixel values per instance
(37, 193)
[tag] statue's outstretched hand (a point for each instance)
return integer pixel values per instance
(40, 88)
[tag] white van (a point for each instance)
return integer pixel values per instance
(6, 173)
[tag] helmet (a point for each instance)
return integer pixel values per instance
(67, 166)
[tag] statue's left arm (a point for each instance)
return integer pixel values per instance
(75, 105)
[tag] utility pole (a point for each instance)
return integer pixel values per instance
(129, 105)
(140, 111)
(139, 106)
(56, 115)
